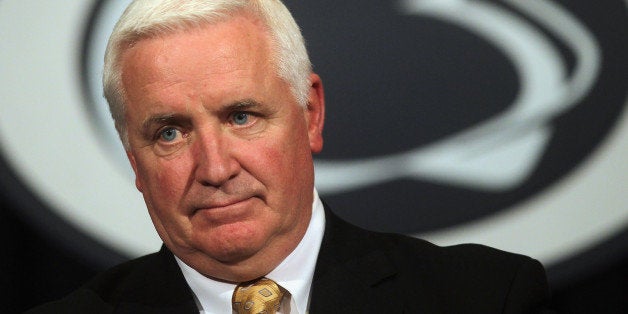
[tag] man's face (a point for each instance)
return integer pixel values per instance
(220, 149)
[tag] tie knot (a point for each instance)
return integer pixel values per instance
(258, 296)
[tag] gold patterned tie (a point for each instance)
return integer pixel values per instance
(258, 296)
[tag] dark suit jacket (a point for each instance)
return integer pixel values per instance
(357, 272)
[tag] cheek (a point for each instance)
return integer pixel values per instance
(163, 180)
(284, 162)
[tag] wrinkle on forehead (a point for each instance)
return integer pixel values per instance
(160, 57)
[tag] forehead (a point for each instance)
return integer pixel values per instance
(235, 44)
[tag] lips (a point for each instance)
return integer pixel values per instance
(225, 210)
(222, 204)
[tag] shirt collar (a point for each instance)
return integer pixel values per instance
(294, 273)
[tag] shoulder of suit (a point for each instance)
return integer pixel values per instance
(468, 254)
(113, 279)
(405, 250)
(116, 285)
(457, 265)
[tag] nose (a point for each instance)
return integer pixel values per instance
(215, 163)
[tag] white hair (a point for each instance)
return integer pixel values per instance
(152, 18)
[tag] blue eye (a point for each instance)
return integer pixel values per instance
(240, 118)
(169, 134)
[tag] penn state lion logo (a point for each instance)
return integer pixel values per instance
(454, 120)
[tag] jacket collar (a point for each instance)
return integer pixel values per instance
(352, 265)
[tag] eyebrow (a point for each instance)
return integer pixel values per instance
(242, 104)
(176, 118)
(162, 119)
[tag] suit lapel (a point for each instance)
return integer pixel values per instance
(353, 274)
(158, 288)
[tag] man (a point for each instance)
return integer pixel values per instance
(219, 112)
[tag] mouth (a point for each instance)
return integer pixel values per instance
(227, 210)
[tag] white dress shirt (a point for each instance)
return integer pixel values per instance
(294, 274)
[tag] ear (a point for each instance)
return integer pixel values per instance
(315, 113)
(131, 158)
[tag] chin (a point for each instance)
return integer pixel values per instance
(232, 255)
(230, 250)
